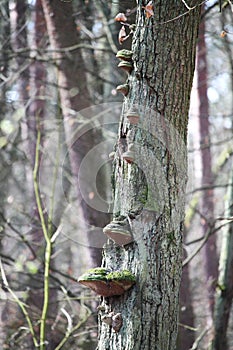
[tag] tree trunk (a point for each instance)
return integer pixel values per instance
(5, 168)
(207, 204)
(75, 97)
(149, 192)
(186, 334)
(224, 292)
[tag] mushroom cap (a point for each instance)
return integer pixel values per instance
(124, 89)
(107, 283)
(129, 156)
(119, 232)
(125, 55)
(126, 65)
(133, 116)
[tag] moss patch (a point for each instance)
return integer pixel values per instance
(121, 275)
(103, 274)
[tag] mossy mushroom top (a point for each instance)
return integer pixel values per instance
(124, 55)
(106, 282)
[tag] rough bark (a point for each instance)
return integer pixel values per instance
(74, 97)
(150, 192)
(207, 204)
(224, 293)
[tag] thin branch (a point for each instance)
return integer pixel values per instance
(48, 248)
(23, 238)
(69, 330)
(184, 14)
(204, 239)
(198, 340)
(187, 327)
(230, 218)
(186, 5)
(211, 144)
(19, 303)
(208, 187)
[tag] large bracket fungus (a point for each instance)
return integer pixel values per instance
(107, 283)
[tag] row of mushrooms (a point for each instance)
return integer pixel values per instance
(102, 281)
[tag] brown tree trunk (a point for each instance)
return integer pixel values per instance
(75, 97)
(149, 192)
(35, 120)
(35, 115)
(207, 207)
(186, 334)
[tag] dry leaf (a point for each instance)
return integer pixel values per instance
(122, 35)
(120, 17)
(149, 9)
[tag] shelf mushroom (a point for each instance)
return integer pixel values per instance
(119, 232)
(133, 116)
(129, 155)
(125, 55)
(124, 89)
(126, 66)
(107, 283)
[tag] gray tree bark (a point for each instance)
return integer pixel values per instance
(149, 193)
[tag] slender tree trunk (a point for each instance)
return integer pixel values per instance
(149, 192)
(75, 97)
(35, 115)
(36, 119)
(207, 206)
(224, 293)
(186, 334)
(5, 168)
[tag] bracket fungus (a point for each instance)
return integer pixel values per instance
(119, 232)
(124, 89)
(129, 155)
(126, 66)
(111, 155)
(113, 320)
(133, 116)
(107, 283)
(125, 55)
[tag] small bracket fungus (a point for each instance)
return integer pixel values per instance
(126, 66)
(107, 283)
(124, 89)
(111, 155)
(133, 116)
(117, 322)
(125, 55)
(114, 320)
(119, 232)
(129, 155)
(107, 318)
